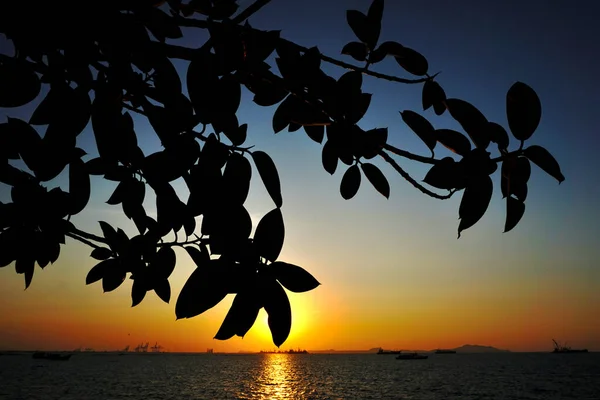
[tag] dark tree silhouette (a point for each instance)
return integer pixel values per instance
(101, 66)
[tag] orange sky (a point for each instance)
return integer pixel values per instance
(392, 272)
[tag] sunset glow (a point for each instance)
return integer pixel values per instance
(393, 273)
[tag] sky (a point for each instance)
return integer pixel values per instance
(393, 273)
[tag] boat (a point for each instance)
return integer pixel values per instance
(388, 352)
(43, 355)
(558, 348)
(411, 356)
(445, 351)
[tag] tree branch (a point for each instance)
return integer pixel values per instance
(186, 53)
(82, 240)
(85, 235)
(410, 156)
(410, 179)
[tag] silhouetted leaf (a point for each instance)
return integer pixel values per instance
(350, 182)
(100, 270)
(160, 24)
(236, 178)
(110, 234)
(474, 202)
(162, 288)
(19, 83)
(277, 306)
(356, 50)
(366, 31)
(25, 264)
(453, 141)
(269, 235)
(375, 12)
(523, 109)
(543, 159)
(376, 177)
(101, 253)
(316, 132)
(515, 174)
(268, 173)
(200, 258)
(514, 212)
(241, 315)
(237, 136)
(292, 277)
(329, 157)
(472, 121)
(433, 95)
(498, 135)
(164, 262)
(412, 61)
(204, 289)
(421, 127)
(113, 278)
(79, 186)
(445, 174)
(138, 292)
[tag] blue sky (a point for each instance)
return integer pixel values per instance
(392, 268)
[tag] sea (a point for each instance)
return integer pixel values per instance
(97, 376)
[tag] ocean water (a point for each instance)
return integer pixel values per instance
(511, 376)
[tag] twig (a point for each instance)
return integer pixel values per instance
(82, 240)
(411, 156)
(413, 182)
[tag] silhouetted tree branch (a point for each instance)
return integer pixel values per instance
(100, 69)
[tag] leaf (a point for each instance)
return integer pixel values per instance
(514, 212)
(474, 202)
(523, 109)
(433, 95)
(268, 173)
(277, 306)
(138, 292)
(350, 83)
(100, 270)
(421, 126)
(294, 278)
(350, 182)
(236, 178)
(471, 120)
(113, 278)
(498, 135)
(445, 174)
(329, 157)
(315, 132)
(375, 12)
(109, 233)
(101, 253)
(162, 288)
(19, 83)
(164, 262)
(543, 159)
(270, 235)
(241, 316)
(454, 141)
(79, 186)
(200, 258)
(377, 179)
(356, 50)
(204, 289)
(362, 28)
(412, 61)
(26, 265)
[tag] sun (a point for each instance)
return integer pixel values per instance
(301, 309)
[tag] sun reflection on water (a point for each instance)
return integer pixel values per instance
(279, 377)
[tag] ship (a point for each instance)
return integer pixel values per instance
(445, 351)
(558, 348)
(411, 356)
(388, 352)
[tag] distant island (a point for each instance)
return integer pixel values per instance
(466, 348)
